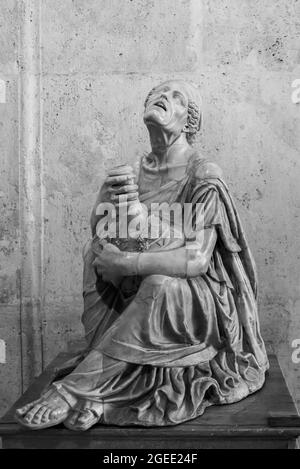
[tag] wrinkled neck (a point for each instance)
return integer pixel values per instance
(167, 147)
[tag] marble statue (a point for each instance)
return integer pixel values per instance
(171, 322)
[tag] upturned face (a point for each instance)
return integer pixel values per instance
(167, 107)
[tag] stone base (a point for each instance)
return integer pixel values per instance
(266, 419)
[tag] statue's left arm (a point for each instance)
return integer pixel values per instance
(190, 260)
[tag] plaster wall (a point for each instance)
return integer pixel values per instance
(76, 75)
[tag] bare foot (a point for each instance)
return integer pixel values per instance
(84, 416)
(47, 411)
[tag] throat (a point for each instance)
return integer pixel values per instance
(171, 150)
(161, 139)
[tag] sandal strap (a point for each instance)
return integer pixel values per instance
(83, 410)
(58, 388)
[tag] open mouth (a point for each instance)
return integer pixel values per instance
(161, 104)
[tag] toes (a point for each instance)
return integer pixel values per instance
(43, 410)
(23, 410)
(85, 417)
(38, 416)
(73, 418)
(46, 415)
(86, 420)
(31, 414)
(53, 414)
(56, 413)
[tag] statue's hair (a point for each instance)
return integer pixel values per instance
(194, 117)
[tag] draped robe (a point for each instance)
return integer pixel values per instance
(161, 349)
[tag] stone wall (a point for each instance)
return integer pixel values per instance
(76, 75)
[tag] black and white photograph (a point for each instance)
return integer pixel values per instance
(149, 227)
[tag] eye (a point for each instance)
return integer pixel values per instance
(179, 97)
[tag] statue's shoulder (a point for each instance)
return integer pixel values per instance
(205, 169)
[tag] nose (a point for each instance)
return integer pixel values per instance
(164, 96)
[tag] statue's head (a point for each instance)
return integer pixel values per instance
(176, 106)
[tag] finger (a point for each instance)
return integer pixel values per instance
(124, 197)
(111, 180)
(123, 189)
(111, 248)
(98, 245)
